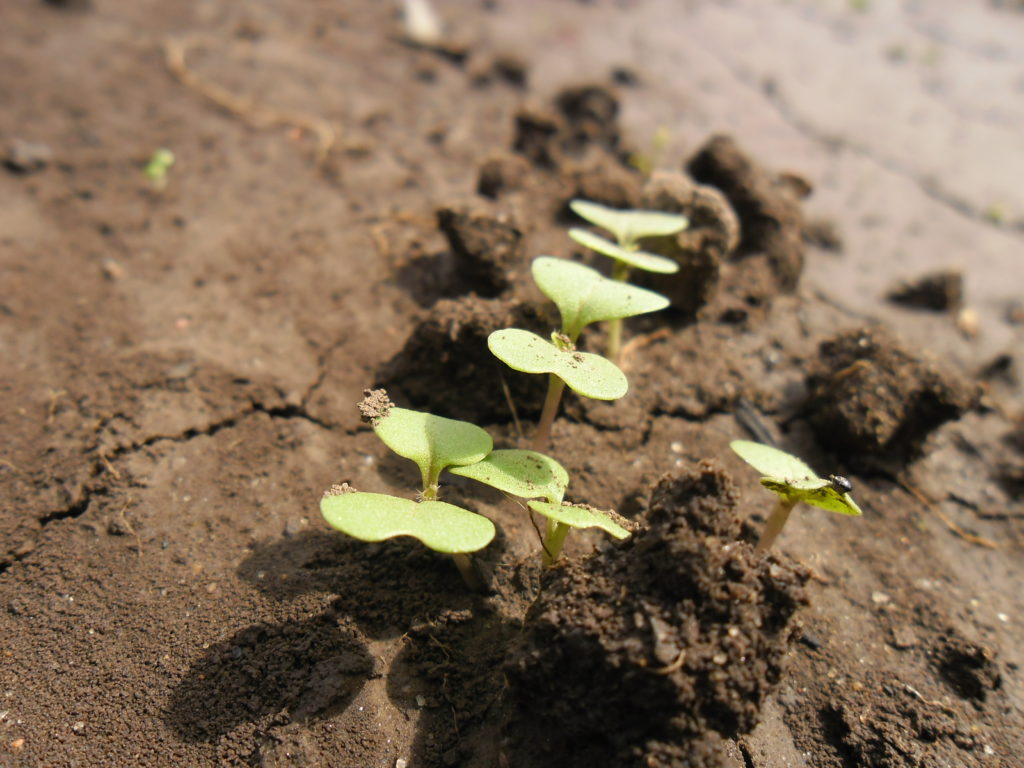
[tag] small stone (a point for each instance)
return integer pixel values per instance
(421, 701)
(292, 527)
(903, 637)
(719, 658)
(78, 726)
(879, 598)
(17, 744)
(401, 762)
(1003, 618)
(25, 157)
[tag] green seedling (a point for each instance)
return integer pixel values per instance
(628, 228)
(157, 167)
(793, 482)
(434, 443)
(583, 296)
(531, 475)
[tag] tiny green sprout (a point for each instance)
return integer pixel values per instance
(629, 228)
(157, 167)
(434, 443)
(532, 475)
(793, 482)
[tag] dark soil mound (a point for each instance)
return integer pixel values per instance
(674, 639)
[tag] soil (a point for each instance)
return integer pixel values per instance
(181, 368)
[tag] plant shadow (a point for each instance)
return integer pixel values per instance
(297, 670)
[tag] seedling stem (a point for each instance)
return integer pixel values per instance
(776, 521)
(553, 540)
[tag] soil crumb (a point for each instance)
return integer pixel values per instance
(652, 653)
(939, 292)
(374, 406)
(875, 403)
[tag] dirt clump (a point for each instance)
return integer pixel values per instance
(500, 174)
(604, 181)
(583, 117)
(768, 206)
(446, 359)
(875, 403)
(674, 638)
(487, 248)
(711, 237)
(938, 291)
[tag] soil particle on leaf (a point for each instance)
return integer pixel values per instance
(446, 368)
(674, 638)
(939, 291)
(874, 402)
(487, 248)
(769, 211)
(374, 406)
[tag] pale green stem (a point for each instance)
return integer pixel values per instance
(553, 540)
(542, 434)
(777, 519)
(469, 573)
(620, 272)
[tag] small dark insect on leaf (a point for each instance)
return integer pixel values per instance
(840, 484)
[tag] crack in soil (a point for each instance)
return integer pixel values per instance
(929, 187)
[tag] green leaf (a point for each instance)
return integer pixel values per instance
(582, 516)
(585, 373)
(630, 226)
(433, 442)
(790, 478)
(584, 296)
(772, 462)
(377, 516)
(649, 262)
(526, 474)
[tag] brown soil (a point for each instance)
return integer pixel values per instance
(181, 370)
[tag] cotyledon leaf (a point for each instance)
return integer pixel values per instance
(377, 516)
(772, 462)
(580, 516)
(584, 296)
(628, 226)
(585, 373)
(648, 262)
(433, 442)
(526, 474)
(792, 479)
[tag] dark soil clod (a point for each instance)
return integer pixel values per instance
(769, 211)
(939, 292)
(874, 402)
(676, 637)
(447, 369)
(487, 248)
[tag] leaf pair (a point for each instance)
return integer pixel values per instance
(583, 296)
(628, 227)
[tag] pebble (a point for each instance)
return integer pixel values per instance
(421, 701)
(25, 157)
(903, 637)
(401, 762)
(879, 598)
(78, 726)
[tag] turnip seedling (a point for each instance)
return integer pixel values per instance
(583, 296)
(434, 443)
(157, 167)
(531, 475)
(794, 482)
(629, 228)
